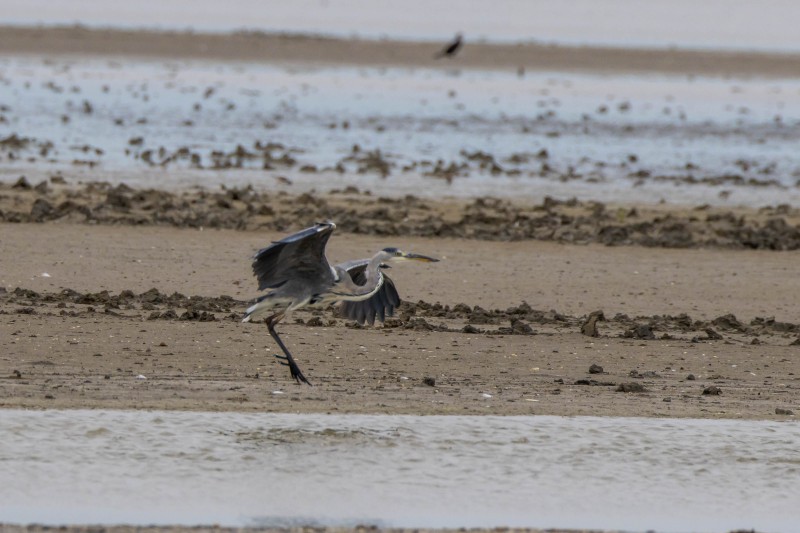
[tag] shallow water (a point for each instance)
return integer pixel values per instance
(143, 467)
(599, 132)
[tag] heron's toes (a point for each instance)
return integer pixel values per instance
(293, 368)
(297, 375)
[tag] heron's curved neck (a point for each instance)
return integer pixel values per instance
(373, 273)
(374, 280)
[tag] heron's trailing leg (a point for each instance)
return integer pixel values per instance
(287, 358)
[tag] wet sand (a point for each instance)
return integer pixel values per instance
(278, 48)
(499, 326)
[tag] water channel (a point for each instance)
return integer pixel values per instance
(240, 469)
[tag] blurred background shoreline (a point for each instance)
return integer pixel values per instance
(712, 24)
(261, 46)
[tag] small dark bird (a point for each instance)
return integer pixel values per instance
(451, 49)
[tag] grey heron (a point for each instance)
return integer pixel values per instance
(298, 274)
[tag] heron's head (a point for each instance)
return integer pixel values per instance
(395, 254)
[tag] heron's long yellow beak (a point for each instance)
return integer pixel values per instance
(419, 257)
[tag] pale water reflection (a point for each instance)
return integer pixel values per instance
(626, 139)
(142, 467)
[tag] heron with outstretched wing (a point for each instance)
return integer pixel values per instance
(297, 274)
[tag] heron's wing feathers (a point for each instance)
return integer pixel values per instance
(298, 256)
(380, 305)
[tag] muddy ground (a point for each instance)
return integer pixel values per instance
(133, 299)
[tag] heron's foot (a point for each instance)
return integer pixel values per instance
(293, 368)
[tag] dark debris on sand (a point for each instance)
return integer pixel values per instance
(416, 316)
(774, 228)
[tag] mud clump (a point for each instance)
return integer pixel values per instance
(40, 210)
(589, 327)
(729, 322)
(22, 183)
(367, 162)
(518, 327)
(198, 316)
(631, 387)
(640, 331)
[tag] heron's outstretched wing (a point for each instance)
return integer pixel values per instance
(298, 256)
(380, 304)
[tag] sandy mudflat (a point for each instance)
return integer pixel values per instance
(123, 298)
(496, 326)
(277, 48)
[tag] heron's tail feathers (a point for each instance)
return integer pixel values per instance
(261, 306)
(249, 313)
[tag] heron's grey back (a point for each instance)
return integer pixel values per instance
(300, 256)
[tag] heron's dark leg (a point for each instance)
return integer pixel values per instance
(287, 358)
